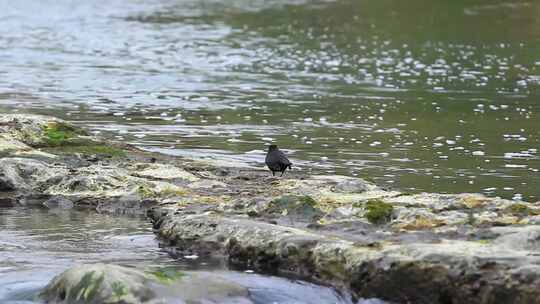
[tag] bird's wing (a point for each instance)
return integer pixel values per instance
(283, 159)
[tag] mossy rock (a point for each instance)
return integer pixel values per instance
(59, 133)
(296, 207)
(167, 275)
(474, 201)
(63, 138)
(378, 211)
(145, 191)
(113, 284)
(88, 148)
(172, 192)
(98, 283)
(120, 290)
(484, 241)
(88, 287)
(151, 191)
(520, 209)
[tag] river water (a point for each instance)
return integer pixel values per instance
(37, 244)
(418, 95)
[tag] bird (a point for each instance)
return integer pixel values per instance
(276, 160)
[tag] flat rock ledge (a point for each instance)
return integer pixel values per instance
(336, 230)
(405, 268)
(48, 162)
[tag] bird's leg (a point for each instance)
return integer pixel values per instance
(273, 173)
(282, 173)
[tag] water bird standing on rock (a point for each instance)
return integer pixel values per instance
(276, 160)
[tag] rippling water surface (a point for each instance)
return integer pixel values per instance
(419, 95)
(36, 245)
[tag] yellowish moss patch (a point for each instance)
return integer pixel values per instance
(520, 209)
(473, 201)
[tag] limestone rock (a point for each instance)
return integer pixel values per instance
(9, 145)
(165, 172)
(207, 184)
(25, 128)
(345, 184)
(408, 269)
(292, 209)
(26, 174)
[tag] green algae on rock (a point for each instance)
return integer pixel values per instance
(167, 275)
(63, 138)
(60, 133)
(22, 135)
(378, 211)
(98, 283)
(520, 209)
(88, 148)
(302, 208)
(25, 128)
(112, 284)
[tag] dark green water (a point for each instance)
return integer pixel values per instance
(418, 95)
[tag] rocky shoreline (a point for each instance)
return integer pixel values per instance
(336, 230)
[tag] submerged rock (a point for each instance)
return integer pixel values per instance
(106, 283)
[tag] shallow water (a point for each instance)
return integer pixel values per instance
(37, 244)
(418, 95)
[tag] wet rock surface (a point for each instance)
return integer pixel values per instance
(343, 231)
(106, 283)
(497, 265)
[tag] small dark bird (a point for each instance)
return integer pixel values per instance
(276, 160)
